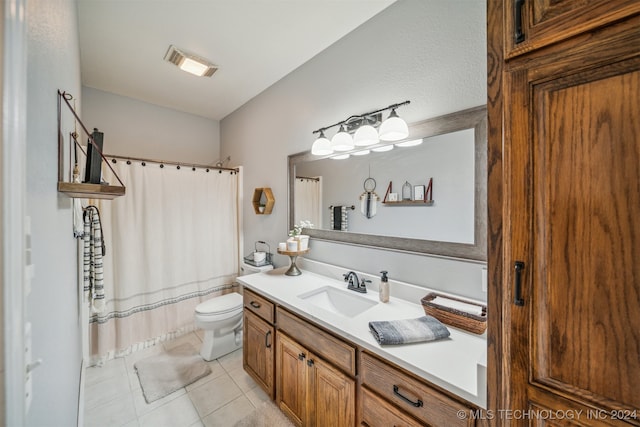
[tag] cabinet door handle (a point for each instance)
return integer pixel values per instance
(255, 304)
(519, 34)
(266, 340)
(301, 356)
(310, 362)
(517, 286)
(396, 391)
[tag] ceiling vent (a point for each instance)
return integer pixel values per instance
(190, 63)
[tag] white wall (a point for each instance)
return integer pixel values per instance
(432, 52)
(52, 306)
(138, 129)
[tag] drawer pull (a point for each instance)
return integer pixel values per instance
(301, 356)
(255, 304)
(406, 399)
(517, 292)
(266, 340)
(519, 34)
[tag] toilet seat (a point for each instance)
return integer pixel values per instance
(220, 305)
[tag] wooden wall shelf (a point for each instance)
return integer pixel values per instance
(409, 203)
(258, 194)
(90, 191)
(82, 190)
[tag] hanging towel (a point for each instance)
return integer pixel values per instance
(92, 259)
(406, 331)
(78, 220)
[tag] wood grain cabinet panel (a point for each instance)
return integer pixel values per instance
(310, 391)
(533, 24)
(332, 349)
(565, 125)
(258, 351)
(411, 395)
(259, 305)
(377, 412)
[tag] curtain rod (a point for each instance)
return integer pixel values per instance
(308, 177)
(191, 165)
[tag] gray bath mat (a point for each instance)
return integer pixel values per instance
(266, 414)
(162, 374)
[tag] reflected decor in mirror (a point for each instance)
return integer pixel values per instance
(443, 157)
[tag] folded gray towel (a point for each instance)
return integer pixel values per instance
(425, 328)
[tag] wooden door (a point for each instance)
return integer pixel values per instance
(257, 355)
(532, 24)
(332, 396)
(572, 151)
(292, 379)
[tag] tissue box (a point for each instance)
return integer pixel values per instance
(458, 318)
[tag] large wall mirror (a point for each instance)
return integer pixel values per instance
(338, 197)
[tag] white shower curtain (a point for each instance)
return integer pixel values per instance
(308, 200)
(171, 242)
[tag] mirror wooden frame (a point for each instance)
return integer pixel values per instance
(473, 118)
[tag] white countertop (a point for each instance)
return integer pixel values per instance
(457, 363)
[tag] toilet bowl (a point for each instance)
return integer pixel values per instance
(221, 319)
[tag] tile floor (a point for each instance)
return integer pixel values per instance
(113, 396)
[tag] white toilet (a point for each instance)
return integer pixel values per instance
(221, 319)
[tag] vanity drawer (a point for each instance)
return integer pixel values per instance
(332, 349)
(410, 394)
(259, 305)
(378, 412)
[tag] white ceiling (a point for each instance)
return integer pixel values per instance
(254, 42)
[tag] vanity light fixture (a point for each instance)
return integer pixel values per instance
(366, 133)
(410, 143)
(383, 148)
(340, 157)
(190, 63)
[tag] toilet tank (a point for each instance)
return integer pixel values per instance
(250, 269)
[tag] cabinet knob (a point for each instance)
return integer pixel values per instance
(310, 362)
(301, 356)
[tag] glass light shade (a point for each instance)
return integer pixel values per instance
(340, 157)
(383, 148)
(394, 128)
(366, 135)
(194, 67)
(342, 141)
(411, 143)
(321, 146)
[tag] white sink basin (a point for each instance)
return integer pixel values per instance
(344, 302)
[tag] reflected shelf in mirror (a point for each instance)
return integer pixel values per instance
(471, 246)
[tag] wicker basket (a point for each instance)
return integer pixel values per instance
(450, 316)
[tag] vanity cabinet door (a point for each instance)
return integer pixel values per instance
(311, 391)
(533, 24)
(258, 351)
(573, 235)
(332, 396)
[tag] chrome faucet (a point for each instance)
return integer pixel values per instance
(355, 284)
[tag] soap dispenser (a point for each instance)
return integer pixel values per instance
(384, 287)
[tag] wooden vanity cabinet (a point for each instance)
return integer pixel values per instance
(405, 397)
(312, 389)
(258, 340)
